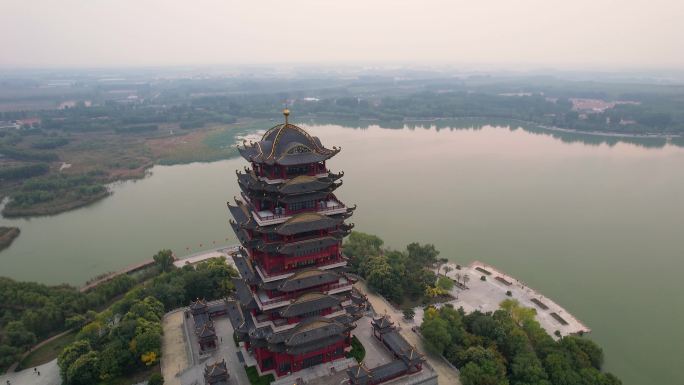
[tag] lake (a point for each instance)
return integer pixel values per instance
(597, 226)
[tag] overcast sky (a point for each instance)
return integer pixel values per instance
(576, 34)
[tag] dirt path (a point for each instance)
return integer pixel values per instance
(447, 374)
(174, 356)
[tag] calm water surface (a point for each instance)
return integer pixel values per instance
(598, 228)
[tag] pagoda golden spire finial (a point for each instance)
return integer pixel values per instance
(286, 112)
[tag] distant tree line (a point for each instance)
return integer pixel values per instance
(24, 171)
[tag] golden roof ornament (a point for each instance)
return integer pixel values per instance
(286, 113)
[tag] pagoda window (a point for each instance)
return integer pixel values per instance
(284, 367)
(268, 170)
(311, 314)
(296, 206)
(272, 237)
(297, 170)
(309, 251)
(307, 234)
(267, 363)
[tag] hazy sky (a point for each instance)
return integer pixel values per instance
(611, 34)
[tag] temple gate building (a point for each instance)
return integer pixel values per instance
(295, 307)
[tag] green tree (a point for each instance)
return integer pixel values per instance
(8, 355)
(526, 369)
(436, 333)
(155, 379)
(75, 321)
(445, 283)
(164, 258)
(85, 370)
(359, 247)
(381, 277)
(488, 372)
(17, 335)
(70, 354)
(423, 255)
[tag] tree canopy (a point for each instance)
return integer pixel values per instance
(510, 347)
(397, 275)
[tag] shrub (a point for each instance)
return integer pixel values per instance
(357, 351)
(483, 278)
(155, 379)
(445, 283)
(508, 293)
(254, 377)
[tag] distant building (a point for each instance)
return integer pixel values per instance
(29, 122)
(9, 125)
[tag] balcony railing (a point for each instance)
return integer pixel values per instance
(323, 207)
(320, 265)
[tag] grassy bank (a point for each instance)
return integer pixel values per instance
(7, 236)
(77, 171)
(47, 352)
(62, 204)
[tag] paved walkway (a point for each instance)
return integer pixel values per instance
(486, 296)
(49, 375)
(174, 354)
(223, 251)
(448, 375)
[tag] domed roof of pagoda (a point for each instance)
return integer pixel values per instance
(287, 144)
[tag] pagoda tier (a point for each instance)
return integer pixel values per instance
(251, 183)
(256, 291)
(294, 306)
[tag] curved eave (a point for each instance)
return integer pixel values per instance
(293, 226)
(297, 282)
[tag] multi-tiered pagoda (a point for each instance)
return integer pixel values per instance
(295, 307)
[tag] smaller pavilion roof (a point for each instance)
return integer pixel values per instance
(382, 322)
